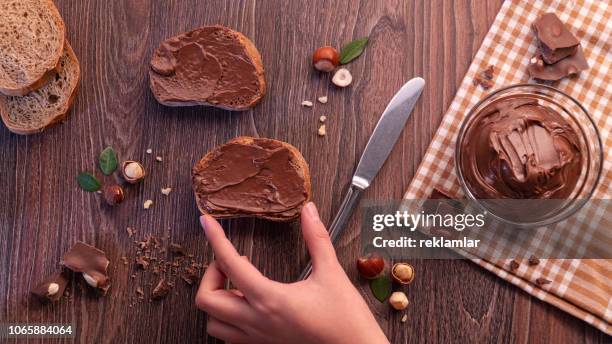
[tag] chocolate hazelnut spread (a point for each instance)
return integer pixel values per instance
(517, 148)
(212, 65)
(252, 177)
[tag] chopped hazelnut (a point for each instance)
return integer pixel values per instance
(322, 100)
(149, 151)
(404, 318)
(322, 119)
(166, 191)
(322, 131)
(159, 159)
(52, 289)
(90, 280)
(147, 204)
(307, 103)
(342, 78)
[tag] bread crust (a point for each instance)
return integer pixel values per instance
(50, 65)
(302, 170)
(57, 117)
(252, 53)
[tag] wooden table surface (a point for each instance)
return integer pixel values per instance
(43, 212)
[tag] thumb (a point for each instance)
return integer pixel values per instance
(317, 239)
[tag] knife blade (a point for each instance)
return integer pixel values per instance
(376, 152)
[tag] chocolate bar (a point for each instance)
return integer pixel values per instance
(91, 262)
(52, 288)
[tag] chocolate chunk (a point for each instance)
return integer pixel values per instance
(533, 260)
(161, 290)
(514, 265)
(551, 72)
(52, 288)
(555, 41)
(91, 262)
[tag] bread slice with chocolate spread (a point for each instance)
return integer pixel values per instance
(212, 66)
(252, 177)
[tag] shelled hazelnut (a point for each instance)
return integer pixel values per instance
(398, 300)
(325, 59)
(370, 266)
(403, 273)
(132, 171)
(113, 194)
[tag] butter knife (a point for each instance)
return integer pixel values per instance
(382, 140)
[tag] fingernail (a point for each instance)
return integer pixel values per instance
(203, 223)
(311, 210)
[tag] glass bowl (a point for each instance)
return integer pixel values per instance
(539, 212)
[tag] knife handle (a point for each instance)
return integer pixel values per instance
(351, 199)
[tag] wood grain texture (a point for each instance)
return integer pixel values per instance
(43, 212)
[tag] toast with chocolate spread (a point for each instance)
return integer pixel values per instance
(252, 177)
(49, 104)
(32, 42)
(212, 66)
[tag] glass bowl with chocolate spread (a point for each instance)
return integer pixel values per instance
(529, 155)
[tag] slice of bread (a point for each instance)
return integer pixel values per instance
(212, 65)
(252, 177)
(31, 43)
(46, 106)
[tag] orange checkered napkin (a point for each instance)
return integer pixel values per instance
(581, 287)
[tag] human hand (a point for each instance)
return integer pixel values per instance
(325, 308)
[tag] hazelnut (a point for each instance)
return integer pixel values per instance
(52, 289)
(370, 266)
(402, 273)
(322, 100)
(398, 300)
(322, 131)
(113, 194)
(90, 280)
(132, 171)
(325, 59)
(147, 204)
(342, 78)
(307, 103)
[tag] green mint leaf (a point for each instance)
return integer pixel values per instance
(108, 161)
(381, 287)
(88, 182)
(352, 50)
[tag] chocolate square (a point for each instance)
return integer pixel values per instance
(555, 41)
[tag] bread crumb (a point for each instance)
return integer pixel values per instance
(322, 100)
(322, 119)
(307, 103)
(404, 318)
(147, 204)
(159, 158)
(166, 191)
(322, 131)
(149, 151)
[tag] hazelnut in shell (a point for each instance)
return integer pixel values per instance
(113, 194)
(403, 273)
(132, 171)
(370, 266)
(325, 59)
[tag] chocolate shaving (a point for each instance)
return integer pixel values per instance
(176, 248)
(514, 265)
(142, 263)
(485, 78)
(161, 290)
(542, 281)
